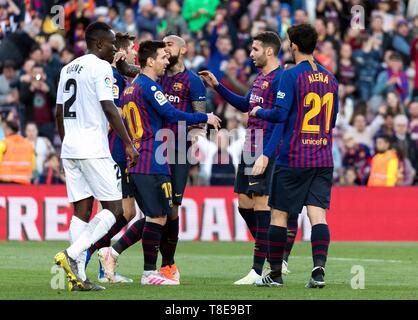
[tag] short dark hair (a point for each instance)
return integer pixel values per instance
(9, 64)
(148, 49)
(269, 39)
(395, 56)
(34, 48)
(388, 139)
(94, 29)
(12, 125)
(123, 40)
(304, 36)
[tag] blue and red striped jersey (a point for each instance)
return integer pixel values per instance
(145, 107)
(181, 90)
(116, 145)
(262, 93)
(307, 103)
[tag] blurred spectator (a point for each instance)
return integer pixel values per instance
(220, 49)
(16, 156)
(41, 145)
(198, 13)
(52, 172)
(384, 168)
(401, 40)
(367, 63)
(414, 59)
(346, 71)
(403, 140)
(193, 61)
(356, 156)
(388, 127)
(361, 132)
(51, 62)
(8, 18)
(381, 38)
(349, 178)
(149, 18)
(67, 55)
(38, 97)
(114, 18)
(406, 172)
(175, 23)
(393, 79)
(8, 96)
(129, 23)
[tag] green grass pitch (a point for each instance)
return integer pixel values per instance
(208, 270)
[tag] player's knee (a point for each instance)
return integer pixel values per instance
(261, 203)
(129, 210)
(245, 201)
(316, 215)
(279, 218)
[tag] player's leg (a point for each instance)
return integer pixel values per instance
(170, 235)
(263, 215)
(103, 179)
(292, 229)
(317, 201)
(80, 195)
(156, 204)
(245, 203)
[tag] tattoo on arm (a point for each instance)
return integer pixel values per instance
(199, 106)
(129, 70)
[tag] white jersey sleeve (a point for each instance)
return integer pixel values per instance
(103, 82)
(60, 98)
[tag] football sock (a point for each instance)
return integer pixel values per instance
(150, 244)
(105, 240)
(77, 227)
(261, 239)
(103, 221)
(169, 239)
(292, 229)
(250, 220)
(320, 239)
(130, 237)
(277, 242)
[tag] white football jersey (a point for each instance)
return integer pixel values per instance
(83, 84)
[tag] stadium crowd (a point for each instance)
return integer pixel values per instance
(375, 63)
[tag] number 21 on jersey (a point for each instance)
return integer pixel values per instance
(316, 102)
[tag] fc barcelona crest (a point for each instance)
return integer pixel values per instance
(265, 85)
(177, 86)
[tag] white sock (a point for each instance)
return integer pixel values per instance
(77, 227)
(103, 221)
(115, 253)
(81, 265)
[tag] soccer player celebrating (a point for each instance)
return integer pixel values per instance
(84, 108)
(186, 92)
(125, 45)
(253, 189)
(145, 107)
(307, 104)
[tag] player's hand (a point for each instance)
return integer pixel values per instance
(215, 121)
(119, 56)
(254, 111)
(260, 165)
(209, 78)
(132, 155)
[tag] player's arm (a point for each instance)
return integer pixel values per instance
(103, 81)
(128, 70)
(166, 110)
(283, 103)
(238, 102)
(115, 121)
(59, 115)
(198, 98)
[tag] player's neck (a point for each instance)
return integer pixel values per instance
(270, 66)
(177, 68)
(150, 74)
(300, 57)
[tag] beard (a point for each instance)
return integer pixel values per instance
(173, 60)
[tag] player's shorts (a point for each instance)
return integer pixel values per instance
(293, 188)
(253, 185)
(179, 176)
(127, 188)
(98, 178)
(153, 193)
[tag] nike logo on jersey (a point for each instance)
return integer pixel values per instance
(253, 183)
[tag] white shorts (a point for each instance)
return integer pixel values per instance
(99, 178)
